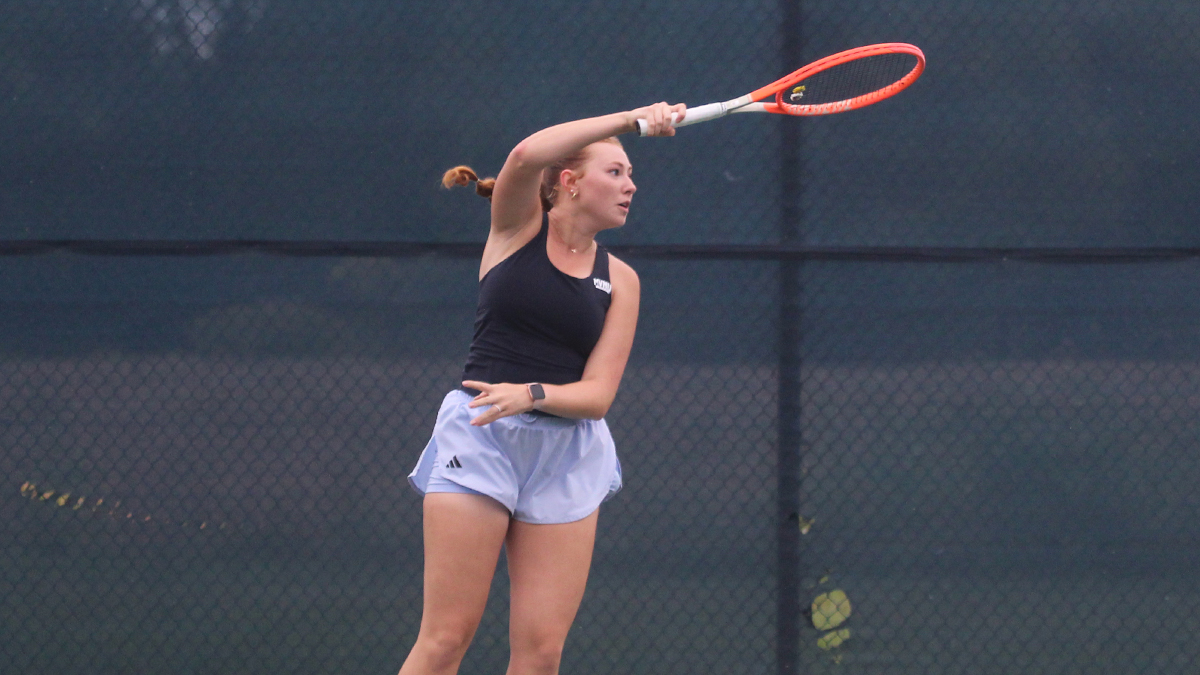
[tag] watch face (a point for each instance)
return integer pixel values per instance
(537, 391)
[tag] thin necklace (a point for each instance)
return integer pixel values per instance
(570, 248)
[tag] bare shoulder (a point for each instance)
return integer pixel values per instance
(624, 278)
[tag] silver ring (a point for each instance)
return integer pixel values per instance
(497, 407)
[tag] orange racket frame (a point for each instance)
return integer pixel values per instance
(749, 102)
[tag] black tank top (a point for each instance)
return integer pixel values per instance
(534, 322)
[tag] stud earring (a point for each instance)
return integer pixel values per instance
(574, 194)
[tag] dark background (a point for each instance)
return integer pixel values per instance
(234, 293)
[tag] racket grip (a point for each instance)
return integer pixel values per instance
(701, 113)
(643, 125)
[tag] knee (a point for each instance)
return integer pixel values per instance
(537, 657)
(444, 646)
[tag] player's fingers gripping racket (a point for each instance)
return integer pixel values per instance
(845, 81)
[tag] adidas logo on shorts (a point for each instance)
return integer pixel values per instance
(454, 463)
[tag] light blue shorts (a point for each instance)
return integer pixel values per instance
(543, 469)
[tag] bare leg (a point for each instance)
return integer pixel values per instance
(463, 536)
(548, 567)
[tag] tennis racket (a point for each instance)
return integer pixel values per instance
(844, 81)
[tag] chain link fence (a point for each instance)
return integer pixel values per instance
(1002, 484)
(915, 388)
(234, 498)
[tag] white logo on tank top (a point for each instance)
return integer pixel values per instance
(603, 285)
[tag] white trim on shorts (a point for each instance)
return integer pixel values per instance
(543, 469)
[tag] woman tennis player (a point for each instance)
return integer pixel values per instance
(521, 456)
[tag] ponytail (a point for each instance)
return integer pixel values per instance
(464, 175)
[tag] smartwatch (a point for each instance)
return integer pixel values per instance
(536, 392)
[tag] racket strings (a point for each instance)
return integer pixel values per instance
(850, 79)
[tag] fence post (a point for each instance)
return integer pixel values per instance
(787, 630)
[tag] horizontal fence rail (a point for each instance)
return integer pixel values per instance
(386, 249)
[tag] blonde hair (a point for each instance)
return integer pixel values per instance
(548, 191)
